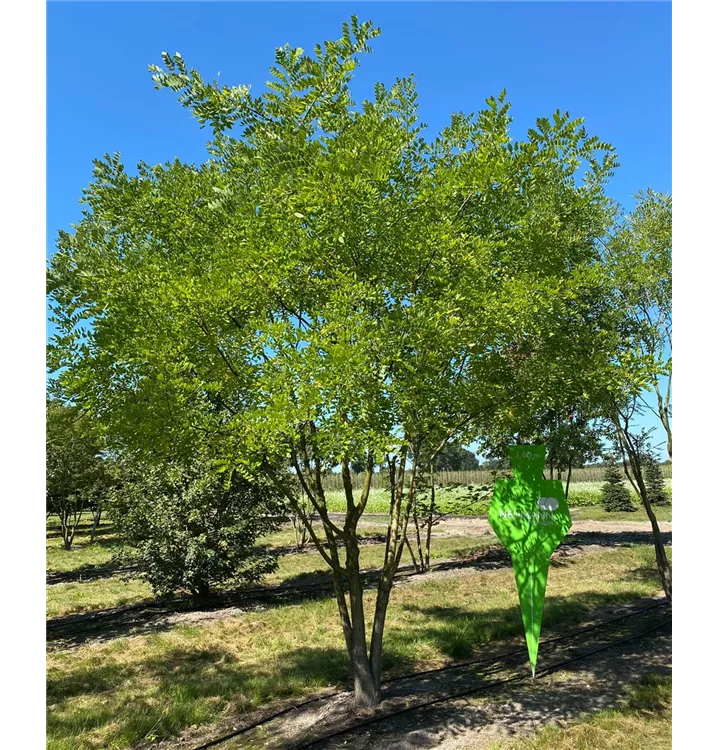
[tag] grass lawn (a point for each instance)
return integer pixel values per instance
(104, 593)
(300, 569)
(643, 721)
(597, 513)
(115, 695)
(82, 552)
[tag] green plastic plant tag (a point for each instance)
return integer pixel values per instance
(530, 516)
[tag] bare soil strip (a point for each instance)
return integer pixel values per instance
(588, 685)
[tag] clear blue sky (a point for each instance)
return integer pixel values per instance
(609, 62)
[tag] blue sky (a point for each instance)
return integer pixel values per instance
(609, 62)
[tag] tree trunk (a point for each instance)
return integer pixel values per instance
(669, 435)
(203, 589)
(366, 688)
(432, 506)
(377, 634)
(629, 450)
(422, 561)
(96, 516)
(416, 565)
(664, 415)
(664, 567)
(343, 613)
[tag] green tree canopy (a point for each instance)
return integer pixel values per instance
(454, 457)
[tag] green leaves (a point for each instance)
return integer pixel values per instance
(328, 275)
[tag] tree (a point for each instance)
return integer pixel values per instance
(640, 254)
(615, 496)
(638, 260)
(357, 466)
(570, 432)
(499, 463)
(191, 528)
(457, 499)
(330, 285)
(76, 475)
(655, 486)
(454, 457)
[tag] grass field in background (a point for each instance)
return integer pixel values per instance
(146, 687)
(581, 494)
(663, 513)
(120, 590)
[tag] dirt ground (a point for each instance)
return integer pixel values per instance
(476, 722)
(479, 526)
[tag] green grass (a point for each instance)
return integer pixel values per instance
(292, 568)
(116, 591)
(88, 596)
(580, 494)
(642, 721)
(83, 552)
(597, 513)
(105, 593)
(151, 686)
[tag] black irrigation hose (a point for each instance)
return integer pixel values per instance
(448, 667)
(522, 650)
(97, 620)
(474, 691)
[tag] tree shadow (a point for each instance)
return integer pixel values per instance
(156, 615)
(88, 572)
(196, 685)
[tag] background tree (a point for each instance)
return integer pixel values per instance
(638, 261)
(655, 484)
(357, 466)
(640, 256)
(454, 457)
(191, 528)
(571, 433)
(330, 285)
(76, 475)
(615, 496)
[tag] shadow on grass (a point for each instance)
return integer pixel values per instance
(175, 688)
(153, 616)
(83, 529)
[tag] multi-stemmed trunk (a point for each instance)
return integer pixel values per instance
(341, 539)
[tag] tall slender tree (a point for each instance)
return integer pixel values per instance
(638, 259)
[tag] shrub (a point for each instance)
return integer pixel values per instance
(615, 496)
(655, 484)
(193, 528)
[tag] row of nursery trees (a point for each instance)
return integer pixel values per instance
(331, 285)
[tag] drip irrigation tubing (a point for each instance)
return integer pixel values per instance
(75, 625)
(457, 665)
(474, 691)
